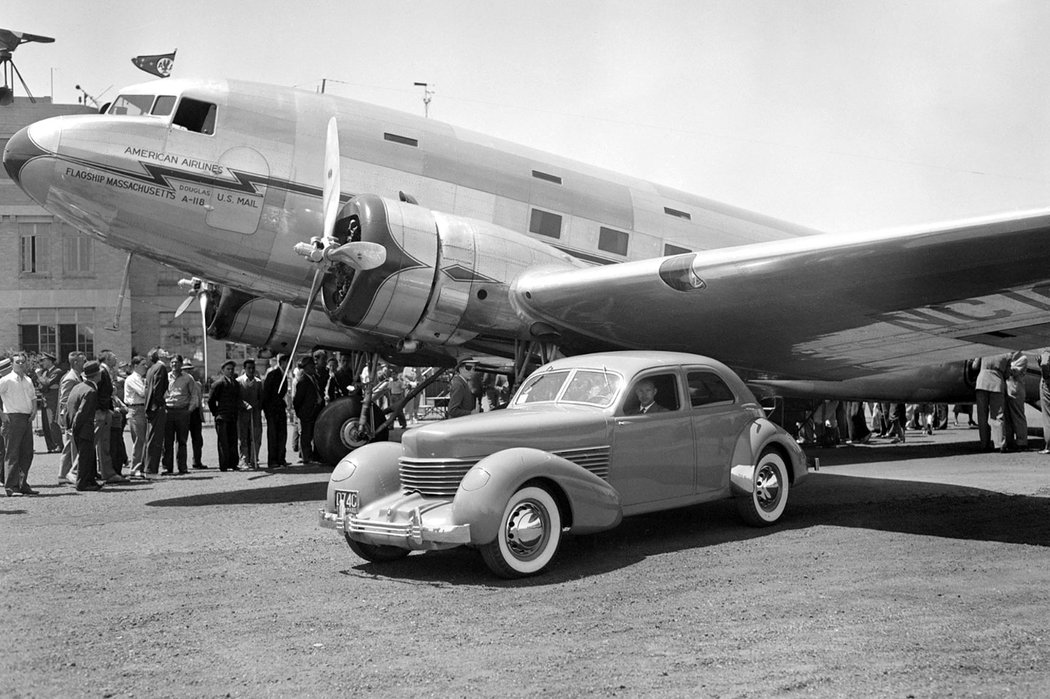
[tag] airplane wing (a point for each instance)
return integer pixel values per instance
(828, 306)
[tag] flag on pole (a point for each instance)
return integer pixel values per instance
(159, 64)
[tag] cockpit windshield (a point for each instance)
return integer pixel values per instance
(588, 386)
(141, 105)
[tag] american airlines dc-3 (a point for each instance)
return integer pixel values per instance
(426, 242)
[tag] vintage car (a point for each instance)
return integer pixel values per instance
(573, 452)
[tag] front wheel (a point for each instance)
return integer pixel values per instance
(767, 501)
(376, 553)
(528, 537)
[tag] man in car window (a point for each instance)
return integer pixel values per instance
(645, 391)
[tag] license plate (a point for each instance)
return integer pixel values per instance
(347, 502)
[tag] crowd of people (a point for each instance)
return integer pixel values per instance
(999, 399)
(157, 400)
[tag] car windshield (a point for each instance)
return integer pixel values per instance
(587, 386)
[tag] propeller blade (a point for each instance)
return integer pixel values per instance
(315, 287)
(203, 297)
(360, 255)
(330, 202)
(183, 306)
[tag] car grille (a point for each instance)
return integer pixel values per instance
(441, 477)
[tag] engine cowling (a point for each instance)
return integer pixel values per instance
(446, 278)
(241, 317)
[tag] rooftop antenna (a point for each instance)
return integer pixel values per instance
(427, 94)
(9, 41)
(87, 97)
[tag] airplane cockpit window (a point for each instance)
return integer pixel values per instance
(163, 105)
(195, 115)
(131, 105)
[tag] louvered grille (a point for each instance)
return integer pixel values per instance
(437, 477)
(441, 477)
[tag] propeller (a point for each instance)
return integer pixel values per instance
(197, 288)
(324, 250)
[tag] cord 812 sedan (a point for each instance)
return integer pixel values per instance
(584, 442)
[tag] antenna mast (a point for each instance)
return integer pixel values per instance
(427, 94)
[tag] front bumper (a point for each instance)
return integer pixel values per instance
(407, 521)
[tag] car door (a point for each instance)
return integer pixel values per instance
(717, 420)
(652, 454)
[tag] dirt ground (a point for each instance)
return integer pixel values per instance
(920, 570)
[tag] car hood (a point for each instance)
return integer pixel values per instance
(551, 428)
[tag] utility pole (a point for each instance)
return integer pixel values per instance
(427, 94)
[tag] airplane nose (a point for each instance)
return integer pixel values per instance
(38, 140)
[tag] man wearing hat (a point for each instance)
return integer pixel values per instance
(135, 399)
(18, 396)
(196, 415)
(460, 395)
(71, 378)
(224, 402)
(249, 422)
(80, 410)
(308, 402)
(156, 411)
(49, 376)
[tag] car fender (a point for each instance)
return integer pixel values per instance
(760, 434)
(372, 470)
(483, 493)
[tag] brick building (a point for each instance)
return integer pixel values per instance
(59, 288)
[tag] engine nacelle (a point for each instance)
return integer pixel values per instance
(241, 317)
(446, 278)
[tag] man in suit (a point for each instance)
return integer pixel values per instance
(461, 399)
(156, 409)
(224, 402)
(645, 392)
(83, 400)
(49, 377)
(274, 389)
(71, 379)
(308, 403)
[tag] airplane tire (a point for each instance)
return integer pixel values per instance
(335, 430)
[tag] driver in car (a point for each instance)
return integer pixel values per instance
(645, 391)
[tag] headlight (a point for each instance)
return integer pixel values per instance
(476, 478)
(343, 470)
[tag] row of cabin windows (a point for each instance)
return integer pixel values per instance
(611, 240)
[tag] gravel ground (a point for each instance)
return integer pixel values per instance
(898, 571)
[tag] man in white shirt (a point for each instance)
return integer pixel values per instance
(19, 400)
(135, 399)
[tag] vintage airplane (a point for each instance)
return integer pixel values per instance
(426, 242)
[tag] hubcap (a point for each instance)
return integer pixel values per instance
(353, 436)
(767, 487)
(527, 529)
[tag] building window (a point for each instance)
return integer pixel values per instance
(545, 223)
(57, 330)
(611, 240)
(183, 335)
(77, 257)
(33, 242)
(670, 249)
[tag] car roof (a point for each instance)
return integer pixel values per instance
(632, 361)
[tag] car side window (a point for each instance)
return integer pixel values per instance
(706, 387)
(656, 392)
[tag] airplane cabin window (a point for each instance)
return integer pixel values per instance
(705, 387)
(195, 115)
(677, 214)
(131, 105)
(163, 105)
(611, 240)
(545, 176)
(545, 223)
(670, 249)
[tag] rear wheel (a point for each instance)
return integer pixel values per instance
(376, 553)
(528, 537)
(767, 501)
